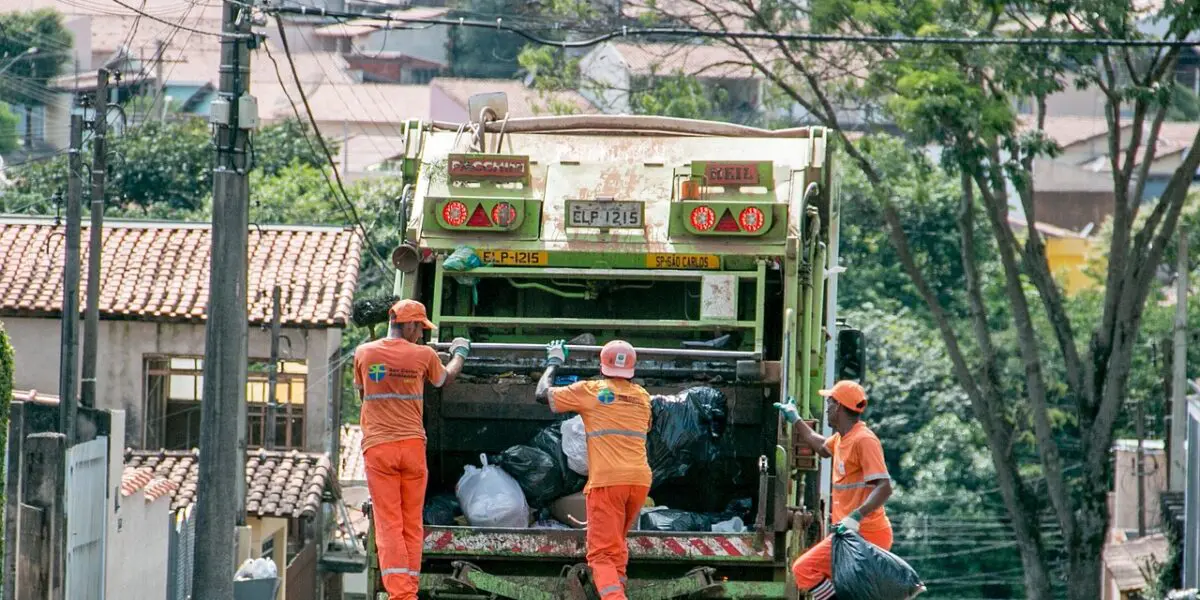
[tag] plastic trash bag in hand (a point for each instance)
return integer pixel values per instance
(574, 444)
(491, 498)
(864, 571)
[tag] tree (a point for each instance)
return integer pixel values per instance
(6, 388)
(477, 53)
(8, 129)
(161, 169)
(33, 47)
(960, 98)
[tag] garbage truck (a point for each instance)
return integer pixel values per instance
(711, 247)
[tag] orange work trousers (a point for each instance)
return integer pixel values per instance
(816, 565)
(611, 512)
(396, 478)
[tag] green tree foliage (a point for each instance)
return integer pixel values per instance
(8, 129)
(160, 169)
(25, 81)
(6, 387)
(486, 53)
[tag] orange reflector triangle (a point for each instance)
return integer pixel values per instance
(479, 218)
(728, 223)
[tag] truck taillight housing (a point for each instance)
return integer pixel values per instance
(503, 214)
(455, 213)
(703, 218)
(751, 219)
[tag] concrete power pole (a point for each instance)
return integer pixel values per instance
(223, 416)
(273, 372)
(68, 368)
(91, 325)
(1177, 475)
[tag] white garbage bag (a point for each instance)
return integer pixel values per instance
(734, 525)
(490, 497)
(256, 568)
(574, 444)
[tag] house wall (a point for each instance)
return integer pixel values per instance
(605, 80)
(1067, 258)
(137, 559)
(1125, 485)
(120, 365)
(268, 539)
(429, 44)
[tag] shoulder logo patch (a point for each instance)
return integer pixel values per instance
(376, 372)
(606, 396)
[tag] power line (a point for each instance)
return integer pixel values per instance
(166, 22)
(366, 234)
(819, 38)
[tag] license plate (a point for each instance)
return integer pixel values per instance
(615, 215)
(683, 261)
(513, 258)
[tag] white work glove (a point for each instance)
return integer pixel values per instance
(556, 353)
(789, 410)
(851, 522)
(460, 347)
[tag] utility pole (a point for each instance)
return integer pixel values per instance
(91, 324)
(158, 107)
(68, 368)
(1177, 475)
(223, 407)
(273, 373)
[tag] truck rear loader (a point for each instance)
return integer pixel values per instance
(706, 245)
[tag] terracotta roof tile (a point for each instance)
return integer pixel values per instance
(351, 469)
(278, 484)
(143, 479)
(159, 271)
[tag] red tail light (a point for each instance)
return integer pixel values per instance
(703, 218)
(503, 214)
(455, 213)
(751, 219)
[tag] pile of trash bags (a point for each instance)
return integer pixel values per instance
(732, 520)
(686, 431)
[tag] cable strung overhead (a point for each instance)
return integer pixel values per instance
(818, 38)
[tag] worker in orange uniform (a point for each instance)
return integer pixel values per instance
(390, 375)
(616, 418)
(861, 484)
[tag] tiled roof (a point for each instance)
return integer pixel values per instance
(160, 271)
(144, 480)
(359, 27)
(383, 103)
(351, 468)
(522, 101)
(278, 484)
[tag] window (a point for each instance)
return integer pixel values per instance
(174, 388)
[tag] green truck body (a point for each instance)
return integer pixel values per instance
(705, 245)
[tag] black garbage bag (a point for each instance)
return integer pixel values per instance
(441, 509)
(549, 440)
(685, 431)
(536, 473)
(670, 519)
(864, 571)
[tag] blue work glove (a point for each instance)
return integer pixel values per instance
(556, 353)
(460, 347)
(789, 410)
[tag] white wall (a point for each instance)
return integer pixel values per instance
(120, 365)
(604, 80)
(139, 535)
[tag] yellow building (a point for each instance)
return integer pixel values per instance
(1068, 253)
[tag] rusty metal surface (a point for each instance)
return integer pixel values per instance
(443, 542)
(585, 167)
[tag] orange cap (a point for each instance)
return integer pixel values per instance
(410, 311)
(617, 359)
(849, 394)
